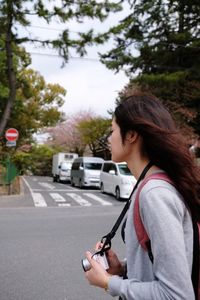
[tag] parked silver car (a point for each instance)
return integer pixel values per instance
(85, 171)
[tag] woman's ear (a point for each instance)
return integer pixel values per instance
(132, 136)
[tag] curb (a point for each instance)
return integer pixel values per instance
(21, 193)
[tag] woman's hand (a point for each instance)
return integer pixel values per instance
(115, 266)
(97, 275)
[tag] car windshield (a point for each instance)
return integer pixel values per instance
(66, 166)
(92, 166)
(124, 170)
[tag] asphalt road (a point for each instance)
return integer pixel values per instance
(42, 247)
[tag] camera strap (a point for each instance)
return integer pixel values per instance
(106, 239)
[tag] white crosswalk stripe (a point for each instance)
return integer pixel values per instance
(47, 185)
(79, 199)
(98, 199)
(38, 200)
(64, 204)
(57, 197)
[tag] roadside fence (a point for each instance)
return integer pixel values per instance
(8, 174)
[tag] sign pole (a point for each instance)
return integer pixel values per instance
(9, 175)
(11, 136)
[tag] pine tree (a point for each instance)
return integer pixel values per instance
(158, 46)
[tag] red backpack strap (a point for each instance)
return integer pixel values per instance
(141, 233)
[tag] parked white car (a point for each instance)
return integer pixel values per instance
(116, 179)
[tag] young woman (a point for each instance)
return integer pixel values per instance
(143, 131)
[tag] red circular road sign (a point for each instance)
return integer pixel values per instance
(12, 134)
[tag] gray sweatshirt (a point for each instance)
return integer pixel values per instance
(169, 226)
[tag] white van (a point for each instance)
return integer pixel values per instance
(116, 179)
(61, 166)
(85, 171)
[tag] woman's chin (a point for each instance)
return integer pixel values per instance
(116, 160)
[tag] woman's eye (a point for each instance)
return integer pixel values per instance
(109, 133)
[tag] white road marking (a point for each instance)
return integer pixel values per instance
(38, 199)
(55, 190)
(64, 204)
(79, 199)
(96, 198)
(47, 185)
(57, 197)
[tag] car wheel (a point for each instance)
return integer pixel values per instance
(80, 184)
(117, 193)
(102, 188)
(72, 182)
(54, 179)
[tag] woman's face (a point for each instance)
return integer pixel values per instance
(118, 149)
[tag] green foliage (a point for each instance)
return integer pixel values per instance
(15, 17)
(94, 133)
(38, 161)
(36, 104)
(42, 158)
(59, 11)
(157, 35)
(23, 162)
(158, 45)
(65, 134)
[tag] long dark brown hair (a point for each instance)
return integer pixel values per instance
(162, 143)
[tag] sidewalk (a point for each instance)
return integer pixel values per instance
(17, 200)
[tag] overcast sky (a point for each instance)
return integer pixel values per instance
(89, 84)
